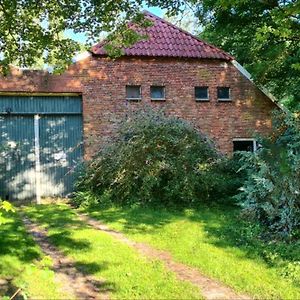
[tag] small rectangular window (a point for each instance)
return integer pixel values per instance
(201, 93)
(224, 93)
(157, 92)
(133, 92)
(244, 145)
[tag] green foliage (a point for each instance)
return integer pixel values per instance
(23, 265)
(271, 194)
(34, 32)
(224, 179)
(154, 159)
(262, 35)
(6, 207)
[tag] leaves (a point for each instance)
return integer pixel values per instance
(271, 192)
(262, 35)
(5, 206)
(155, 159)
(35, 31)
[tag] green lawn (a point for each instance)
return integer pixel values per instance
(23, 264)
(127, 275)
(215, 241)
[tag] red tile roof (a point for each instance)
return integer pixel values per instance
(167, 40)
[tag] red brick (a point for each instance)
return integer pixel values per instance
(101, 82)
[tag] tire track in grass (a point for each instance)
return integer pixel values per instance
(128, 275)
(75, 282)
(210, 289)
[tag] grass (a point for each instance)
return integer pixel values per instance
(23, 265)
(218, 243)
(127, 275)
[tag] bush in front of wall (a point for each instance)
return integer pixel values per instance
(224, 179)
(155, 159)
(271, 193)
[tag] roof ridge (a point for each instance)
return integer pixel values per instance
(167, 40)
(186, 32)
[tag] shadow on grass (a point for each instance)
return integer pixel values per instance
(15, 241)
(90, 268)
(62, 221)
(63, 239)
(54, 216)
(8, 288)
(135, 220)
(226, 229)
(16, 250)
(223, 226)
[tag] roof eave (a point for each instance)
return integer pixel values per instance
(162, 56)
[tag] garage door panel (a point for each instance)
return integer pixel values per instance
(60, 139)
(17, 159)
(60, 153)
(40, 105)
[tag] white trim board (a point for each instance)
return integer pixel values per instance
(253, 140)
(37, 159)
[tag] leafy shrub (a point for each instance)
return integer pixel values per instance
(271, 194)
(5, 207)
(292, 272)
(225, 179)
(154, 159)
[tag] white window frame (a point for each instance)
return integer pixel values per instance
(254, 141)
(224, 99)
(201, 99)
(134, 99)
(158, 99)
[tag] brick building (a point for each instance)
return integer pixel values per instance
(172, 70)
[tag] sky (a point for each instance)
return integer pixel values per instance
(80, 37)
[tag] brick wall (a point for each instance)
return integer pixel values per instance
(102, 81)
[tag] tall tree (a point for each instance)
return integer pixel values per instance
(263, 35)
(32, 30)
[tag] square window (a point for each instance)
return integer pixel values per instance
(133, 92)
(201, 93)
(157, 92)
(224, 93)
(244, 145)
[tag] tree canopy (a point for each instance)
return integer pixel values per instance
(32, 30)
(263, 35)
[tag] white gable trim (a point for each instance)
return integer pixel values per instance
(81, 56)
(253, 140)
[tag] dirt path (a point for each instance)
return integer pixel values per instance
(210, 289)
(74, 282)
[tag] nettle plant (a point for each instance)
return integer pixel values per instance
(155, 159)
(271, 194)
(5, 206)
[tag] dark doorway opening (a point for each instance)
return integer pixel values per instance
(244, 145)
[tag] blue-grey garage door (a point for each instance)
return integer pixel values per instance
(40, 145)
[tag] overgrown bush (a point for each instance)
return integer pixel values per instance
(155, 159)
(271, 194)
